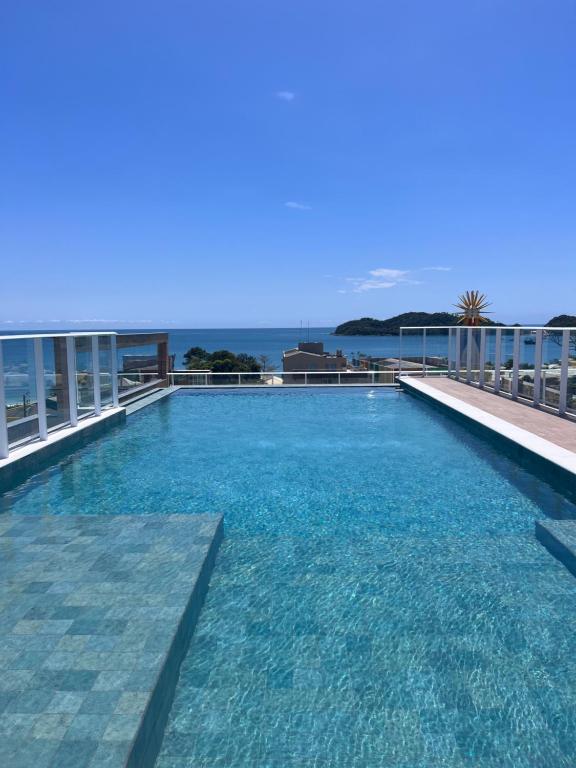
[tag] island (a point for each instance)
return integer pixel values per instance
(369, 326)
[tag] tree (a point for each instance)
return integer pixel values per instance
(265, 362)
(562, 321)
(221, 361)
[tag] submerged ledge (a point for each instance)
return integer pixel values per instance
(559, 464)
(559, 538)
(97, 615)
(31, 458)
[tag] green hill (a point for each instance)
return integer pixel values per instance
(369, 326)
(566, 321)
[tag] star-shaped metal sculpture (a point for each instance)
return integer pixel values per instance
(472, 305)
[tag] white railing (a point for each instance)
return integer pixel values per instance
(72, 393)
(284, 379)
(523, 362)
(130, 382)
(49, 381)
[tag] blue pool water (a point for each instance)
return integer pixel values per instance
(380, 598)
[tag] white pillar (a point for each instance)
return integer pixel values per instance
(469, 354)
(40, 389)
(457, 357)
(564, 371)
(114, 370)
(497, 359)
(424, 352)
(3, 422)
(72, 386)
(515, 362)
(482, 366)
(537, 368)
(96, 375)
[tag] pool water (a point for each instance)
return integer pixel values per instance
(379, 599)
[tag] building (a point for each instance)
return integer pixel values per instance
(310, 356)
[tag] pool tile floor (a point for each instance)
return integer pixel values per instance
(89, 611)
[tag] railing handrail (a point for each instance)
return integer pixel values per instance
(21, 336)
(489, 327)
(276, 373)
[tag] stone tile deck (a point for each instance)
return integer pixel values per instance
(96, 614)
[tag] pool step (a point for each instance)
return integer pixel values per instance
(559, 538)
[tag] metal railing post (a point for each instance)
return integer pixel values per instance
(424, 352)
(482, 365)
(3, 420)
(458, 356)
(497, 359)
(400, 354)
(563, 401)
(72, 384)
(114, 369)
(306, 379)
(537, 369)
(449, 351)
(468, 355)
(515, 363)
(40, 389)
(96, 375)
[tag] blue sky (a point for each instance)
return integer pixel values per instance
(242, 164)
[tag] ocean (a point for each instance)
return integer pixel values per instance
(273, 341)
(254, 341)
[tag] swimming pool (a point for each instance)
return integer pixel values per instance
(379, 599)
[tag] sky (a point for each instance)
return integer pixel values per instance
(243, 163)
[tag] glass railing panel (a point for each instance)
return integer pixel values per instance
(138, 359)
(84, 375)
(490, 358)
(363, 377)
(461, 345)
(507, 362)
(322, 378)
(56, 382)
(571, 386)
(436, 349)
(412, 350)
(105, 361)
(528, 344)
(132, 382)
(254, 379)
(473, 356)
(20, 390)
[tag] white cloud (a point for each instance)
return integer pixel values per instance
(389, 274)
(297, 206)
(285, 95)
(382, 277)
(386, 277)
(371, 285)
